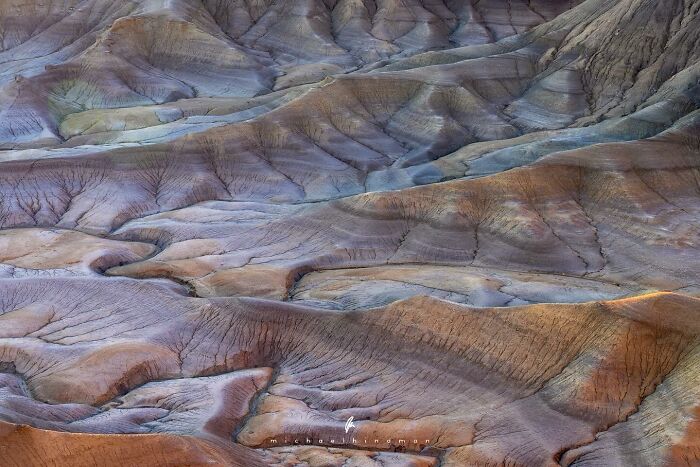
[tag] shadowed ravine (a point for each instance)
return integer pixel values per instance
(228, 226)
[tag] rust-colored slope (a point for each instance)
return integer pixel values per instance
(613, 213)
(534, 382)
(23, 445)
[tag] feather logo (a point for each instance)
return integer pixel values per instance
(349, 424)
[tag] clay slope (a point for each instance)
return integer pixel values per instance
(228, 226)
(472, 385)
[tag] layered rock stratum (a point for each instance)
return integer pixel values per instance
(228, 226)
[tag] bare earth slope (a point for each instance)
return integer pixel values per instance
(228, 226)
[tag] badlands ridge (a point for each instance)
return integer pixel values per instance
(227, 226)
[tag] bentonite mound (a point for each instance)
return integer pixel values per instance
(229, 226)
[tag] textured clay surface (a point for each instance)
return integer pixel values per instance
(229, 226)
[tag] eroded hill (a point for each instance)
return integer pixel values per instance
(228, 226)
